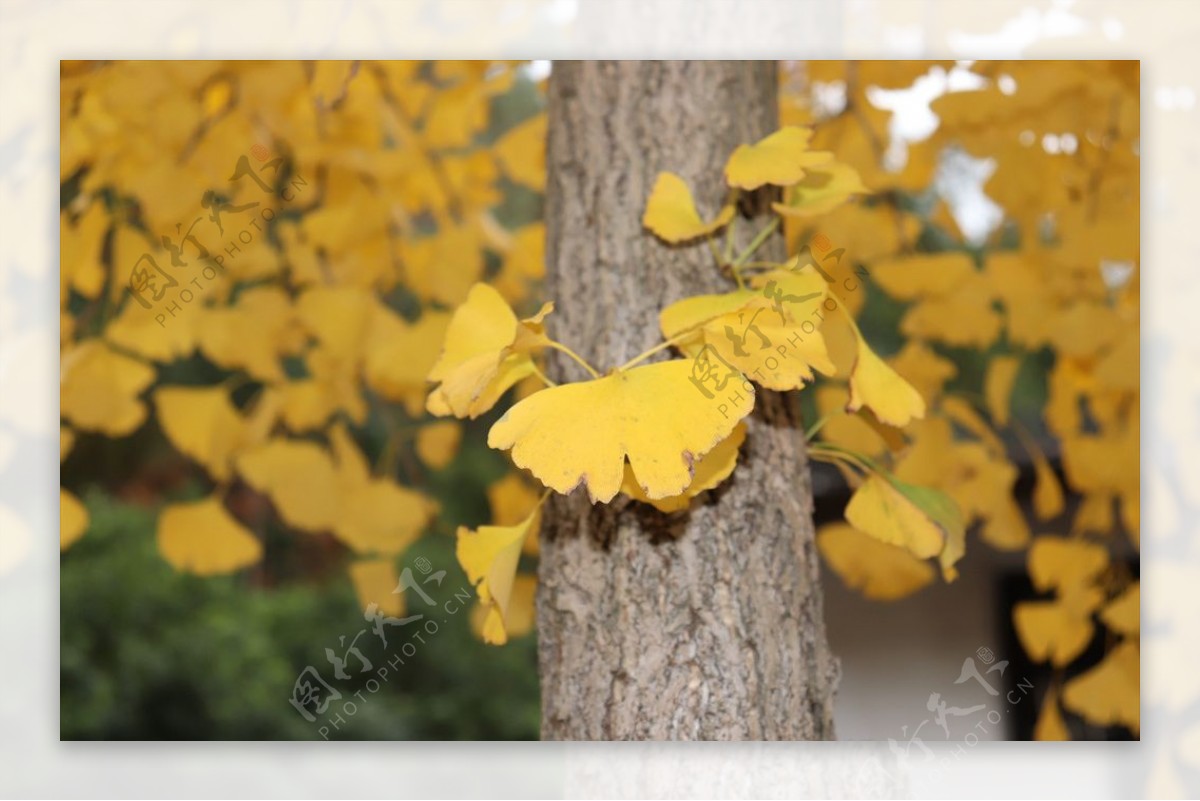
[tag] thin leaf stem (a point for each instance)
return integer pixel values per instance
(666, 343)
(579, 359)
(817, 426)
(756, 243)
(547, 381)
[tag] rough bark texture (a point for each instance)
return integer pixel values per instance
(704, 625)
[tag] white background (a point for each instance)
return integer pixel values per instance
(36, 34)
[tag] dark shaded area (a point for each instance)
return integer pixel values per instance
(1016, 587)
(150, 654)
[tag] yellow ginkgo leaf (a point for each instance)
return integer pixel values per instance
(100, 389)
(1083, 329)
(137, 330)
(522, 607)
(483, 325)
(875, 231)
(771, 335)
(400, 355)
(202, 423)
(671, 212)
(339, 317)
(66, 441)
(921, 520)
(486, 352)
(203, 538)
(455, 116)
(382, 517)
(445, 265)
(998, 385)
(941, 508)
(72, 519)
(654, 415)
(877, 508)
(889, 435)
(932, 457)
(780, 159)
(823, 188)
(1123, 614)
(489, 556)
(922, 367)
(333, 385)
(1050, 724)
(437, 443)
(1005, 527)
(348, 219)
(854, 432)
(716, 466)
(879, 571)
(1052, 630)
(352, 466)
(261, 415)
(375, 583)
(980, 480)
(521, 152)
(474, 177)
(512, 370)
(305, 404)
(490, 627)
(958, 410)
(1119, 368)
(1065, 564)
(526, 257)
(376, 515)
(487, 624)
(250, 335)
(963, 318)
(1047, 490)
(299, 478)
(1094, 514)
(1102, 462)
(1109, 693)
(914, 276)
(694, 312)
(81, 247)
(512, 499)
(873, 383)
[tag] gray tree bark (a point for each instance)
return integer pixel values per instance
(708, 624)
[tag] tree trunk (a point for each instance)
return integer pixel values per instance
(708, 624)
